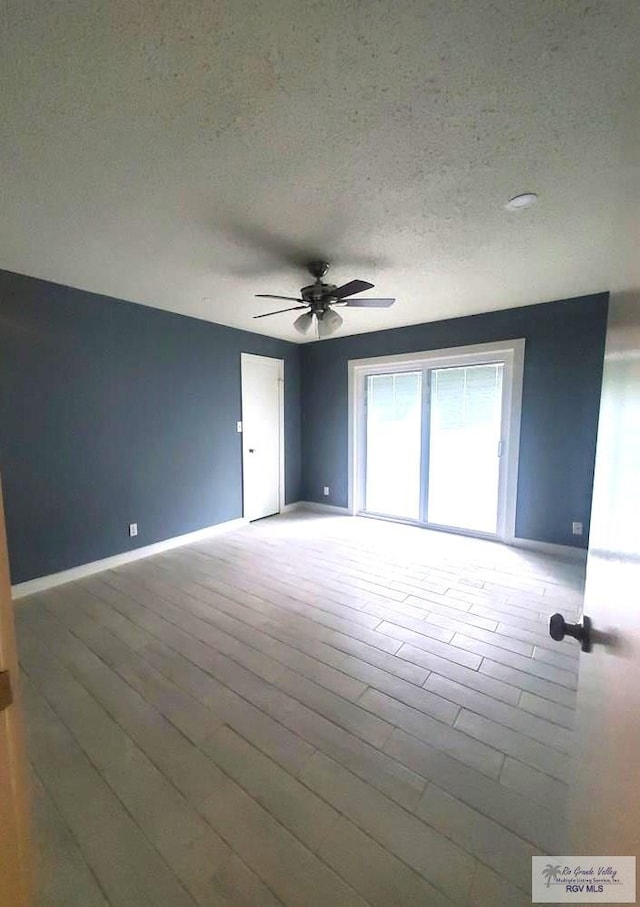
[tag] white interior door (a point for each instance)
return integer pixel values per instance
(262, 435)
(605, 793)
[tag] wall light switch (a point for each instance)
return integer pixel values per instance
(133, 529)
(239, 427)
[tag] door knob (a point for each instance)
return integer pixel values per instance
(559, 628)
(252, 450)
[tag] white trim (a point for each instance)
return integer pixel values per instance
(353, 436)
(289, 508)
(281, 439)
(565, 552)
(562, 552)
(41, 583)
(512, 404)
(454, 355)
(317, 507)
(511, 352)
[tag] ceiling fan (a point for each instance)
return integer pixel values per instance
(320, 299)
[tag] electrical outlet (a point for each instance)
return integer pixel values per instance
(133, 529)
(576, 528)
(325, 491)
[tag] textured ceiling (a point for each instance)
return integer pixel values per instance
(187, 155)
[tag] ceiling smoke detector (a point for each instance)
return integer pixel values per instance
(521, 201)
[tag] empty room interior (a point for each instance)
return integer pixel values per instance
(282, 574)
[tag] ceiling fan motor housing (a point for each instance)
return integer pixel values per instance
(318, 295)
(318, 269)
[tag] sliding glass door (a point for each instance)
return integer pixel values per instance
(393, 449)
(464, 447)
(437, 438)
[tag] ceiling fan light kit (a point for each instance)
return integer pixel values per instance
(328, 323)
(319, 298)
(303, 323)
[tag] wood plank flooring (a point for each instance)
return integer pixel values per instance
(309, 710)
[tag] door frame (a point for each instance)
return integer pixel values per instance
(510, 352)
(281, 438)
(15, 832)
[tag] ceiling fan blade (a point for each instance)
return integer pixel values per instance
(295, 308)
(348, 289)
(271, 296)
(370, 303)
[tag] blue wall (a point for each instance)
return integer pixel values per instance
(561, 397)
(112, 413)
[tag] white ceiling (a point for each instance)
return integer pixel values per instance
(186, 154)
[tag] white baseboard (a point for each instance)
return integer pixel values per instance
(317, 507)
(288, 508)
(566, 552)
(41, 583)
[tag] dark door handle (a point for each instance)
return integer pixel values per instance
(252, 450)
(559, 628)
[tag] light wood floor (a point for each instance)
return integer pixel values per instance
(306, 711)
